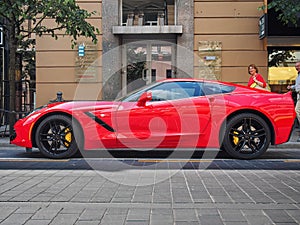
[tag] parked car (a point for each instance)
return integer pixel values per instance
(169, 114)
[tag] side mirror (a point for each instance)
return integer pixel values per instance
(145, 97)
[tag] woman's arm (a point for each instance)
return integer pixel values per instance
(260, 80)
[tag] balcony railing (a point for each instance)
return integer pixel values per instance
(148, 17)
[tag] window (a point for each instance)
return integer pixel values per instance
(148, 13)
(175, 90)
(282, 70)
(180, 90)
(277, 28)
(167, 91)
(211, 89)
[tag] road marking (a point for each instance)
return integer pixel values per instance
(292, 160)
(173, 160)
(138, 160)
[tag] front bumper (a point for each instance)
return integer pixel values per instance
(20, 136)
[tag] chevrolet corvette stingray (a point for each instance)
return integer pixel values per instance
(169, 114)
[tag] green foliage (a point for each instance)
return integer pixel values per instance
(28, 59)
(68, 16)
(280, 57)
(288, 10)
(69, 19)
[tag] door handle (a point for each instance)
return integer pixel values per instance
(212, 99)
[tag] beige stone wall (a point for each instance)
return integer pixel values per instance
(56, 60)
(234, 23)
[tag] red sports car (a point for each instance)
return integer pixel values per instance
(170, 114)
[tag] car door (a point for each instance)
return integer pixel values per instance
(175, 117)
(152, 125)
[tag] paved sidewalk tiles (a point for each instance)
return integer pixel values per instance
(191, 196)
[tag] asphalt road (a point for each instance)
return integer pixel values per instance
(274, 158)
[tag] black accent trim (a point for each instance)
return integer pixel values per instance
(99, 121)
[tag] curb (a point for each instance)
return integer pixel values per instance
(293, 145)
(5, 142)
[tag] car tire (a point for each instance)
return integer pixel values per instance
(247, 136)
(55, 137)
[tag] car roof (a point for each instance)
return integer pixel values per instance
(200, 80)
(238, 87)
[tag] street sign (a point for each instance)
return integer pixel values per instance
(81, 50)
(262, 26)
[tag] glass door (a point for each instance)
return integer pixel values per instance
(145, 62)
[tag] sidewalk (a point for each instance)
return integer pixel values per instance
(138, 192)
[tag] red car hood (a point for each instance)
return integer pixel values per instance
(78, 106)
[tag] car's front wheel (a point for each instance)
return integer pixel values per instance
(55, 137)
(247, 136)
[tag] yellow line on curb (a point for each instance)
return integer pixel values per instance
(292, 160)
(172, 160)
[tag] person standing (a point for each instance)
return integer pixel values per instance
(256, 80)
(296, 88)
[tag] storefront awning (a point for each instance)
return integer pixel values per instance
(282, 75)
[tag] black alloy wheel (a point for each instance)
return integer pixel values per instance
(247, 136)
(55, 137)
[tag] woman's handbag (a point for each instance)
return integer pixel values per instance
(255, 85)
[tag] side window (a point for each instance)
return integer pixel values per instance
(175, 90)
(214, 88)
(180, 90)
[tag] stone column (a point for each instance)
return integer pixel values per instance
(185, 42)
(111, 56)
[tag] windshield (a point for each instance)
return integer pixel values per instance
(134, 95)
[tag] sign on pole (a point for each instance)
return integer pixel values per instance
(1, 36)
(81, 50)
(262, 26)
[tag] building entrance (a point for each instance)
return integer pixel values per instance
(144, 62)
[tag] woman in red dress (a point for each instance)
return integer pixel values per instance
(256, 80)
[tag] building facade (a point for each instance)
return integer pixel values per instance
(141, 41)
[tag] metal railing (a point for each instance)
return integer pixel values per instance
(25, 97)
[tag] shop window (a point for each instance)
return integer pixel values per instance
(282, 70)
(148, 13)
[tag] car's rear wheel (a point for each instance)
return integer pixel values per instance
(55, 137)
(247, 136)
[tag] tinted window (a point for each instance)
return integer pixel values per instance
(211, 89)
(135, 95)
(168, 91)
(179, 90)
(175, 90)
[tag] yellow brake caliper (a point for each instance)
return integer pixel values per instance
(68, 137)
(235, 138)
